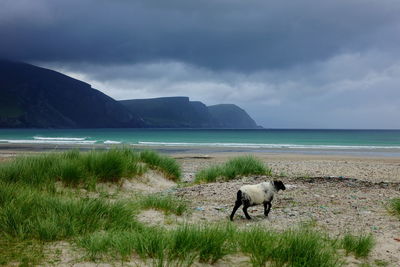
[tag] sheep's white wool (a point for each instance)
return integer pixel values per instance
(258, 193)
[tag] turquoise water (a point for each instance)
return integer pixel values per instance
(272, 139)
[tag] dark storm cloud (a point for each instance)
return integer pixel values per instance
(296, 64)
(216, 34)
(357, 90)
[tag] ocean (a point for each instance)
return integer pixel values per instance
(373, 142)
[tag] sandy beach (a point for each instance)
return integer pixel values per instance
(337, 193)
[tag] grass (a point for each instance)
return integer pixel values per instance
(360, 245)
(74, 168)
(26, 213)
(301, 247)
(23, 252)
(207, 243)
(106, 230)
(239, 166)
(184, 244)
(258, 244)
(210, 243)
(166, 203)
(166, 165)
(32, 217)
(394, 206)
(149, 243)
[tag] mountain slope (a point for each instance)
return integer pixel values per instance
(31, 96)
(170, 112)
(231, 116)
(180, 112)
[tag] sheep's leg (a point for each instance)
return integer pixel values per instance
(238, 203)
(246, 204)
(267, 208)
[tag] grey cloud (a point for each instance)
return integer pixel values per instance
(357, 90)
(298, 64)
(220, 35)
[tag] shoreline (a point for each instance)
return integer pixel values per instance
(378, 153)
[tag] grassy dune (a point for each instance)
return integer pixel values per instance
(166, 165)
(239, 166)
(33, 215)
(166, 203)
(74, 167)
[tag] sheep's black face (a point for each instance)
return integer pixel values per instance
(279, 185)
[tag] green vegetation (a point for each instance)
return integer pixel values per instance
(167, 203)
(258, 244)
(210, 243)
(381, 262)
(74, 168)
(301, 247)
(165, 164)
(25, 252)
(206, 243)
(186, 243)
(394, 206)
(26, 213)
(32, 217)
(147, 244)
(245, 165)
(361, 245)
(9, 107)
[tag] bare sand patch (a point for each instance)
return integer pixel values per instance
(150, 182)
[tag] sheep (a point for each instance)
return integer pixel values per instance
(251, 195)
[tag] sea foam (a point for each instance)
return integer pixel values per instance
(60, 138)
(277, 146)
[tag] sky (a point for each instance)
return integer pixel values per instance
(289, 64)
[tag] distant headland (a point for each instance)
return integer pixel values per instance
(35, 97)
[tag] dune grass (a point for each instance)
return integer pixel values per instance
(74, 168)
(26, 213)
(239, 166)
(165, 164)
(394, 206)
(166, 203)
(109, 230)
(186, 243)
(360, 245)
(23, 252)
(210, 243)
(150, 243)
(31, 217)
(206, 243)
(258, 244)
(300, 247)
